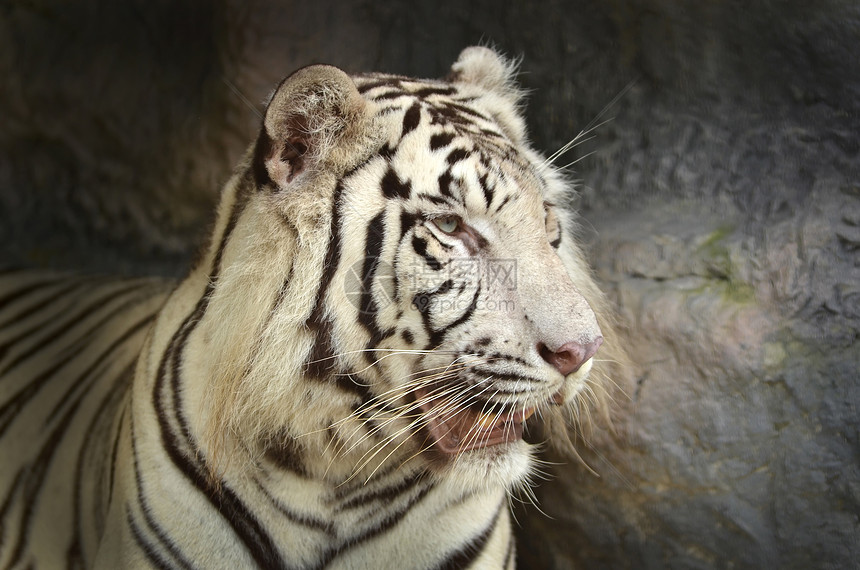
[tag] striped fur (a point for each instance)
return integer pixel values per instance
(342, 380)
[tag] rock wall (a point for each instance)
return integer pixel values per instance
(720, 199)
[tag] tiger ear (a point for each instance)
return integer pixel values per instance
(495, 74)
(486, 68)
(304, 120)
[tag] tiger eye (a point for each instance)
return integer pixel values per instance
(448, 224)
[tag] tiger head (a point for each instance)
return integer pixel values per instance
(394, 281)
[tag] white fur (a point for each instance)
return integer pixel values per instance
(222, 385)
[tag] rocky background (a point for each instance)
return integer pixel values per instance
(721, 208)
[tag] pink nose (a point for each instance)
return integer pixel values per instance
(571, 355)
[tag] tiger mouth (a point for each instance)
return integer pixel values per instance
(454, 429)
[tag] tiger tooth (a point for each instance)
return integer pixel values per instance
(487, 420)
(528, 413)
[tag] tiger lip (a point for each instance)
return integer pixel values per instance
(466, 429)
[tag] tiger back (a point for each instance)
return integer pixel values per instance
(391, 290)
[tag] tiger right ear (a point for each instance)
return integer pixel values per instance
(493, 73)
(486, 68)
(303, 121)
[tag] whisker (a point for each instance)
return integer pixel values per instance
(592, 126)
(392, 350)
(402, 412)
(575, 141)
(583, 157)
(397, 392)
(244, 99)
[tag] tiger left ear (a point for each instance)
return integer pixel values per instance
(304, 120)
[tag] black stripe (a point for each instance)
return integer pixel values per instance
(446, 115)
(393, 187)
(427, 91)
(59, 295)
(463, 109)
(294, 517)
(113, 454)
(503, 204)
(411, 119)
(457, 155)
(262, 150)
(445, 180)
(35, 479)
(15, 491)
(184, 452)
(88, 373)
(419, 244)
(224, 501)
(386, 152)
(18, 293)
(177, 342)
(491, 133)
(440, 140)
(486, 189)
(322, 349)
(147, 547)
(472, 550)
(383, 526)
(383, 82)
(389, 95)
(286, 454)
(13, 406)
(446, 286)
(117, 392)
(160, 534)
(504, 376)
(28, 311)
(408, 221)
(373, 247)
(385, 494)
(321, 361)
(437, 335)
(389, 110)
(440, 200)
(467, 314)
(368, 306)
(280, 297)
(353, 384)
(65, 326)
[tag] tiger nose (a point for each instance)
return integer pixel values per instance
(571, 355)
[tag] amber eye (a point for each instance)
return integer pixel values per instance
(447, 224)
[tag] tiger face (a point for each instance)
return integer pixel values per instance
(449, 300)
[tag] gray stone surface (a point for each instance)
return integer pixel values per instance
(721, 208)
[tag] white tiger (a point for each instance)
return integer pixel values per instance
(390, 291)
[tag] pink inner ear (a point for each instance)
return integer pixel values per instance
(288, 149)
(287, 159)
